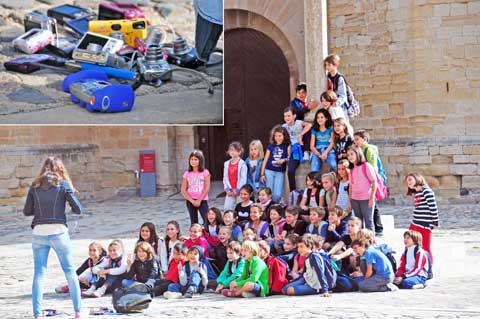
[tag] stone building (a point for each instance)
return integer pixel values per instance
(414, 65)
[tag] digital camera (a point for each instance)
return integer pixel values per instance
(95, 48)
(183, 54)
(36, 20)
(153, 65)
(117, 11)
(33, 41)
(130, 28)
(67, 12)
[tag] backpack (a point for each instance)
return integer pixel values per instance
(429, 260)
(330, 273)
(277, 274)
(134, 298)
(378, 164)
(388, 251)
(295, 197)
(381, 192)
(352, 106)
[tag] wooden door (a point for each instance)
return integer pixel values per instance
(256, 92)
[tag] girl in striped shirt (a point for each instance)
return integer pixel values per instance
(425, 212)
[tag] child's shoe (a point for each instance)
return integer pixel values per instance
(89, 291)
(171, 295)
(189, 293)
(306, 156)
(228, 293)
(61, 289)
(247, 294)
(391, 287)
(99, 292)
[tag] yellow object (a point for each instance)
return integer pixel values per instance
(130, 28)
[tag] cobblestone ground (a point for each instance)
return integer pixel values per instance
(456, 245)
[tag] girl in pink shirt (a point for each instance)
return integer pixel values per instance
(363, 184)
(195, 186)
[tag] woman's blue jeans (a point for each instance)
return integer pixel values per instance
(63, 248)
(316, 163)
(274, 181)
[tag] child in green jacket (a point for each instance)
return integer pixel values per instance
(234, 267)
(254, 279)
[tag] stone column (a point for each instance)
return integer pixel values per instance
(316, 47)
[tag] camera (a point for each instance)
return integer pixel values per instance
(95, 48)
(117, 11)
(153, 65)
(36, 20)
(183, 55)
(33, 41)
(130, 28)
(67, 12)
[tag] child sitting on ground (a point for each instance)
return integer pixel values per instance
(144, 269)
(254, 280)
(212, 226)
(242, 209)
(275, 228)
(289, 250)
(317, 226)
(250, 234)
(265, 198)
(314, 279)
(354, 225)
(277, 269)
(260, 226)
(192, 276)
(96, 254)
(110, 268)
(292, 224)
(229, 221)
(413, 270)
(218, 254)
(378, 276)
(172, 275)
(336, 228)
(233, 268)
(196, 238)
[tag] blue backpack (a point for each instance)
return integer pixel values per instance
(322, 264)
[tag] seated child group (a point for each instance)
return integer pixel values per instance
(322, 242)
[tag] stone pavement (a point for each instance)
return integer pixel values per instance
(450, 295)
(37, 98)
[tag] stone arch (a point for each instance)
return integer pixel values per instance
(239, 18)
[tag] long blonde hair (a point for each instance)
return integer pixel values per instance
(54, 171)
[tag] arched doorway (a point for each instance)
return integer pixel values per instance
(256, 91)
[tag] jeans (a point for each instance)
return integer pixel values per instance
(193, 211)
(194, 283)
(365, 213)
(275, 183)
(376, 283)
(409, 282)
(128, 282)
(230, 203)
(300, 288)
(62, 246)
(206, 37)
(316, 164)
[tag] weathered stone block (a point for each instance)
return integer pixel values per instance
(442, 159)
(472, 51)
(24, 171)
(473, 7)
(460, 159)
(458, 9)
(425, 159)
(434, 150)
(471, 181)
(453, 149)
(432, 182)
(441, 10)
(464, 169)
(450, 182)
(473, 73)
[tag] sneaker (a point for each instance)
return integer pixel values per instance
(391, 287)
(228, 293)
(306, 156)
(99, 292)
(188, 294)
(247, 294)
(61, 289)
(209, 291)
(379, 234)
(171, 295)
(89, 291)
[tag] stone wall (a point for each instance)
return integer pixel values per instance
(101, 160)
(414, 65)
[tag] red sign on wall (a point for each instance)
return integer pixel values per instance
(147, 162)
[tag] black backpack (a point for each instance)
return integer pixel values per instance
(353, 108)
(134, 298)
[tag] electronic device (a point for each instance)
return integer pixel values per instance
(68, 12)
(33, 41)
(130, 28)
(153, 66)
(26, 64)
(37, 20)
(183, 55)
(95, 48)
(64, 47)
(117, 11)
(79, 26)
(92, 90)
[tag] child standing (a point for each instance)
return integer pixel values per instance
(254, 280)
(379, 273)
(259, 226)
(363, 185)
(321, 142)
(343, 172)
(275, 163)
(296, 130)
(313, 280)
(110, 268)
(167, 244)
(233, 268)
(328, 195)
(144, 269)
(195, 186)
(413, 270)
(229, 221)
(342, 139)
(192, 276)
(234, 174)
(425, 212)
(242, 209)
(254, 164)
(336, 80)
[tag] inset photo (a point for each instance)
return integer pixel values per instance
(123, 62)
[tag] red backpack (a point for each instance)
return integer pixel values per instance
(277, 274)
(381, 193)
